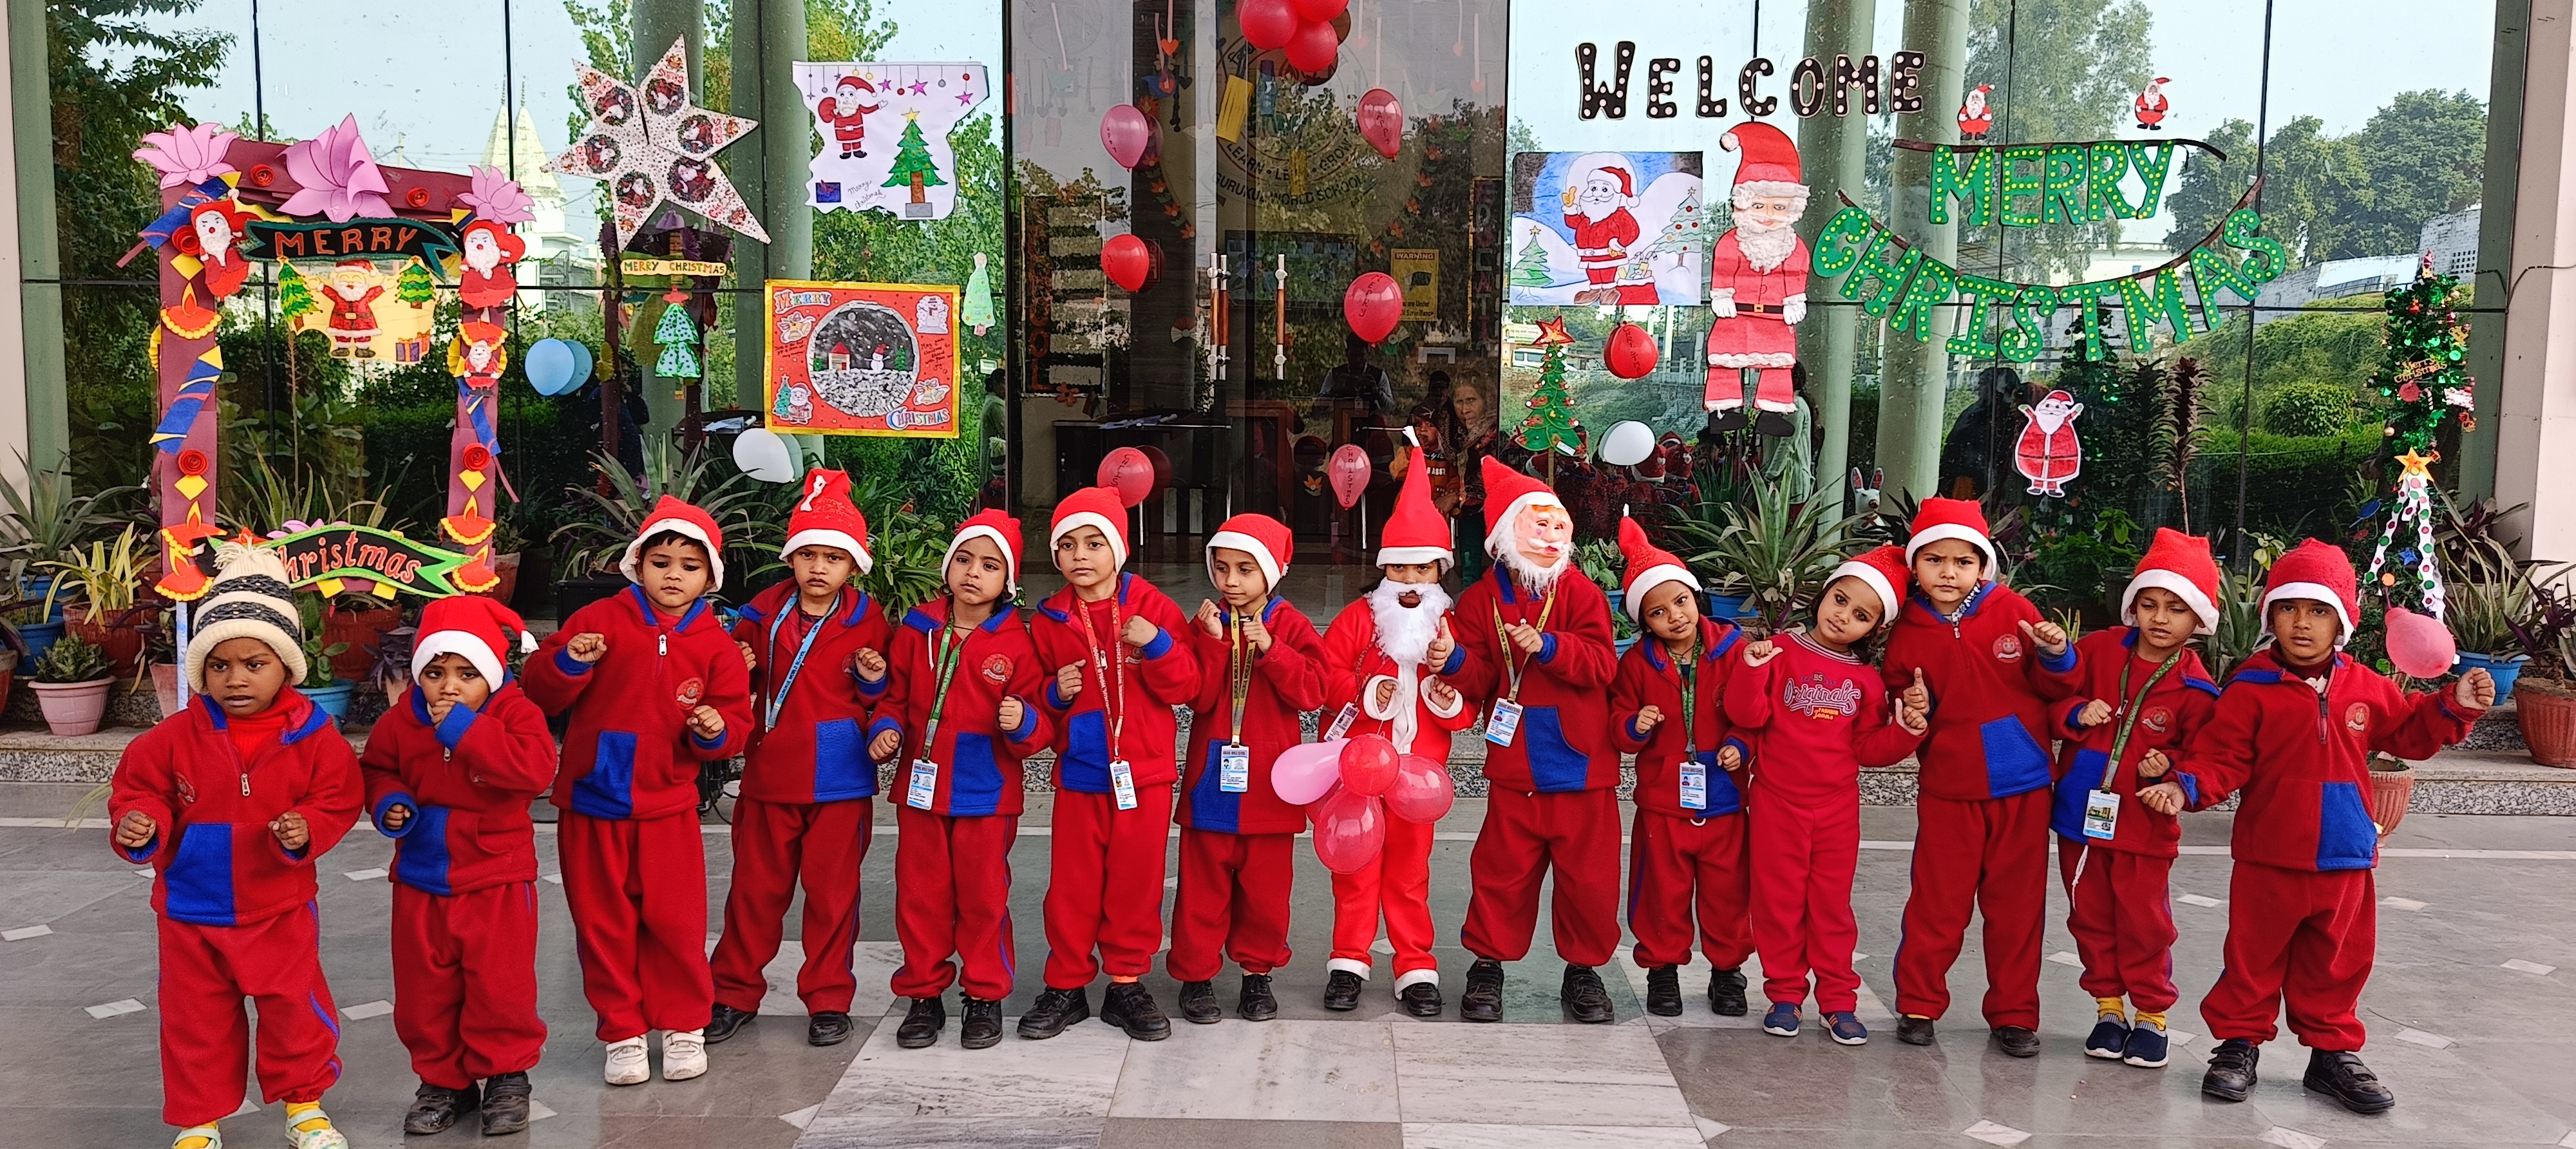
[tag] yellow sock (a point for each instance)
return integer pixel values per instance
(306, 1116)
(2109, 1007)
(2155, 1019)
(195, 1137)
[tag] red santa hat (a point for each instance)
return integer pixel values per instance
(1416, 531)
(2319, 570)
(1960, 519)
(1649, 566)
(471, 625)
(185, 239)
(671, 514)
(1881, 569)
(1262, 537)
(859, 82)
(1982, 89)
(826, 517)
(1627, 184)
(1092, 507)
(2181, 564)
(1770, 165)
(488, 334)
(1002, 529)
(1507, 494)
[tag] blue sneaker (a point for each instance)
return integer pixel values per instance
(2146, 1048)
(1782, 1020)
(2110, 1036)
(1846, 1029)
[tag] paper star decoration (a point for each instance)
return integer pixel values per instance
(1552, 332)
(653, 145)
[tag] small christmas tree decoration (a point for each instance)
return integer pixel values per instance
(1551, 426)
(413, 285)
(977, 310)
(678, 337)
(2424, 378)
(294, 294)
(1687, 234)
(912, 162)
(1530, 270)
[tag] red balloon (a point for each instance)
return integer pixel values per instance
(1127, 471)
(1631, 352)
(1129, 262)
(1381, 121)
(1314, 47)
(1368, 764)
(1350, 829)
(1422, 792)
(1162, 466)
(2417, 645)
(1348, 471)
(1372, 305)
(1320, 11)
(1267, 24)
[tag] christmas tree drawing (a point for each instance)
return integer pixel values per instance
(294, 294)
(2423, 377)
(1686, 235)
(1551, 426)
(912, 163)
(978, 310)
(1530, 270)
(678, 338)
(413, 285)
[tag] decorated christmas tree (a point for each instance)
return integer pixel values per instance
(1530, 270)
(912, 163)
(294, 294)
(1551, 426)
(2423, 377)
(678, 338)
(413, 285)
(1687, 233)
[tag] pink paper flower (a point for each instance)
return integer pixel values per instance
(497, 197)
(336, 176)
(186, 157)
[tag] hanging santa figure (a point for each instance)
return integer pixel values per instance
(847, 115)
(491, 256)
(1976, 115)
(2152, 105)
(212, 229)
(474, 450)
(352, 296)
(2048, 453)
(1597, 200)
(1758, 284)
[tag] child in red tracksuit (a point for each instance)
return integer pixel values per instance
(1686, 851)
(1981, 816)
(231, 801)
(2140, 694)
(1384, 658)
(450, 771)
(1238, 840)
(804, 815)
(2293, 732)
(1816, 714)
(653, 686)
(960, 690)
(1119, 670)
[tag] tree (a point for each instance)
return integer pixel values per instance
(413, 286)
(2343, 197)
(1530, 270)
(1551, 426)
(912, 162)
(1687, 233)
(2422, 380)
(2063, 71)
(294, 294)
(678, 338)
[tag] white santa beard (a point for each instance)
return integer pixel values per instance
(1405, 632)
(1598, 212)
(1531, 576)
(1765, 248)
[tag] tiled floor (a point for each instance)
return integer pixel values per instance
(2471, 908)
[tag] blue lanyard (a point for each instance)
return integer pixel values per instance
(778, 697)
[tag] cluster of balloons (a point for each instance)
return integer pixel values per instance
(1306, 28)
(558, 366)
(1349, 787)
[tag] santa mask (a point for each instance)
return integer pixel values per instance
(1540, 550)
(482, 252)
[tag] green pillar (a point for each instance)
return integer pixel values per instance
(770, 168)
(1832, 151)
(2476, 478)
(40, 310)
(1913, 374)
(655, 24)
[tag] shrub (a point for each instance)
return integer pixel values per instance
(2307, 408)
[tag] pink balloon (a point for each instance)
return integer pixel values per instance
(1267, 24)
(1350, 829)
(1314, 47)
(1349, 472)
(1381, 121)
(1422, 791)
(1128, 133)
(1127, 471)
(1368, 764)
(1372, 305)
(1306, 772)
(1320, 11)
(2418, 645)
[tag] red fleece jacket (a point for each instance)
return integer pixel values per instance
(1159, 676)
(1990, 686)
(815, 752)
(2167, 718)
(215, 861)
(1815, 718)
(1283, 682)
(1564, 739)
(1649, 676)
(1353, 664)
(468, 781)
(979, 762)
(629, 752)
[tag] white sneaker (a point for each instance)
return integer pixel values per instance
(626, 1065)
(684, 1054)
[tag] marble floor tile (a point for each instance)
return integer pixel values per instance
(1164, 1133)
(1461, 1135)
(873, 963)
(870, 1132)
(1502, 1074)
(1267, 1071)
(1071, 1075)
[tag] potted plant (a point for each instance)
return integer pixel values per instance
(506, 552)
(2486, 592)
(1773, 553)
(616, 505)
(327, 689)
(2392, 786)
(108, 577)
(161, 658)
(355, 625)
(71, 686)
(41, 522)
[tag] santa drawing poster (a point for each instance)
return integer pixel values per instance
(1607, 227)
(885, 134)
(2048, 453)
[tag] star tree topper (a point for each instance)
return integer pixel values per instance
(653, 144)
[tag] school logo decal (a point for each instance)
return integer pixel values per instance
(2357, 718)
(691, 691)
(187, 789)
(1816, 700)
(2157, 719)
(2008, 648)
(997, 669)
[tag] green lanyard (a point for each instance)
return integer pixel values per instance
(1514, 662)
(944, 665)
(1238, 671)
(2129, 707)
(1690, 701)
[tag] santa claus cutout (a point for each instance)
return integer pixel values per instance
(847, 115)
(491, 256)
(2152, 105)
(1758, 284)
(1599, 196)
(351, 297)
(1976, 114)
(2048, 453)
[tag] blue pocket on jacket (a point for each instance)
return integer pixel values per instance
(608, 791)
(2066, 808)
(421, 858)
(975, 777)
(2346, 839)
(2014, 762)
(1555, 765)
(198, 885)
(1085, 764)
(842, 769)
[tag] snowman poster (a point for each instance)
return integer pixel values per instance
(885, 134)
(1608, 227)
(862, 358)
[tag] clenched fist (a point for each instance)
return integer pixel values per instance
(1759, 651)
(869, 665)
(1138, 632)
(2094, 714)
(1068, 682)
(291, 831)
(588, 646)
(1011, 713)
(707, 723)
(882, 748)
(1648, 717)
(2047, 636)
(135, 830)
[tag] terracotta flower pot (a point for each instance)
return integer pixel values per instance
(165, 687)
(120, 635)
(506, 568)
(73, 708)
(361, 630)
(2392, 786)
(2548, 721)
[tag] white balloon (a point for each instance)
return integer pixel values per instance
(765, 456)
(1627, 444)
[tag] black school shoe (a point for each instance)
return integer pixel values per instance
(1421, 999)
(2015, 1041)
(1584, 997)
(1130, 1006)
(1726, 993)
(1664, 991)
(982, 1028)
(1197, 1003)
(1483, 1000)
(1256, 1003)
(1053, 1011)
(2231, 1073)
(829, 1027)
(505, 1104)
(921, 1024)
(435, 1107)
(1342, 991)
(726, 1021)
(2342, 1076)
(1773, 424)
(1914, 1030)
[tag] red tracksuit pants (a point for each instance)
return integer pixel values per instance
(952, 880)
(775, 846)
(1680, 868)
(2298, 938)
(638, 890)
(206, 971)
(1988, 855)
(1397, 887)
(2120, 909)
(465, 982)
(1104, 900)
(1803, 861)
(1233, 902)
(1526, 835)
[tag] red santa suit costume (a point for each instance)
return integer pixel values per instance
(1768, 296)
(1104, 902)
(1550, 802)
(2119, 903)
(1686, 849)
(1814, 717)
(960, 813)
(2048, 452)
(634, 869)
(353, 320)
(465, 857)
(2152, 105)
(1601, 244)
(848, 117)
(804, 815)
(1239, 845)
(2302, 912)
(1981, 817)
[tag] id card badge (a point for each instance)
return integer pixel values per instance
(923, 790)
(1233, 768)
(1694, 783)
(2101, 814)
(1342, 721)
(1122, 782)
(1504, 723)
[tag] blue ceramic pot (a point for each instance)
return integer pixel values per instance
(2505, 668)
(333, 699)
